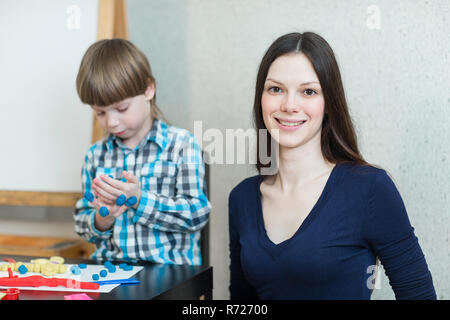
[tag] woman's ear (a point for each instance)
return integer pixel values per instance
(150, 91)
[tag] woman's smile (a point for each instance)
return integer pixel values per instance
(289, 125)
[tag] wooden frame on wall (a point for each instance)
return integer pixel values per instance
(112, 23)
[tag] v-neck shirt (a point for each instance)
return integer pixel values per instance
(358, 217)
(268, 243)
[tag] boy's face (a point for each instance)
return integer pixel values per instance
(129, 119)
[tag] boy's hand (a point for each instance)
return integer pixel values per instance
(104, 223)
(109, 189)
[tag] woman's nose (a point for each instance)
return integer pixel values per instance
(290, 104)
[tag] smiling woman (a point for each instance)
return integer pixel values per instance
(319, 81)
(292, 104)
(315, 227)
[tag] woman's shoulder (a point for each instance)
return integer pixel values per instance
(366, 177)
(362, 171)
(244, 188)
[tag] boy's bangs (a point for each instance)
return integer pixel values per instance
(110, 76)
(110, 84)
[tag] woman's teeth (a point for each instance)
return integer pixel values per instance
(290, 124)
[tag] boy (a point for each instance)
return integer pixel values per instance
(143, 159)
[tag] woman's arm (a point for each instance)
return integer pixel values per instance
(239, 287)
(387, 229)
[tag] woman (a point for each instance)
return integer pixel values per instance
(314, 228)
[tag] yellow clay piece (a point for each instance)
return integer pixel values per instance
(57, 259)
(62, 268)
(47, 267)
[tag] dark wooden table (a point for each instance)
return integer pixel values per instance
(158, 281)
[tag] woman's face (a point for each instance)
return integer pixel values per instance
(292, 101)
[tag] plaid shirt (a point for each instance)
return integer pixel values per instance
(173, 208)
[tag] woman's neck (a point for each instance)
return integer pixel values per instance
(300, 165)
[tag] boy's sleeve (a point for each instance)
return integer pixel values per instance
(189, 209)
(84, 211)
(387, 229)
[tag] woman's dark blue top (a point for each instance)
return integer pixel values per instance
(359, 216)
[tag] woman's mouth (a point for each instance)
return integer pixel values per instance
(289, 124)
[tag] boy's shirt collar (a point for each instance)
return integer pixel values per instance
(157, 134)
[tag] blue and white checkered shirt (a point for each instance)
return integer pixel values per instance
(173, 207)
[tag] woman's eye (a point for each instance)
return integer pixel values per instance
(100, 113)
(309, 92)
(275, 89)
(123, 109)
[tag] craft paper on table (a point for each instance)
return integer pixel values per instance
(85, 276)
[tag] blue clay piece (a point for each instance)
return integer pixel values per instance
(95, 277)
(131, 201)
(89, 196)
(75, 270)
(103, 273)
(123, 180)
(82, 266)
(22, 269)
(103, 211)
(128, 268)
(112, 269)
(121, 200)
(111, 176)
(122, 265)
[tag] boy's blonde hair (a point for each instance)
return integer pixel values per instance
(113, 70)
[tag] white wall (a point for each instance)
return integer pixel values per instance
(205, 56)
(45, 130)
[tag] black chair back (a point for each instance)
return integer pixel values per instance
(204, 237)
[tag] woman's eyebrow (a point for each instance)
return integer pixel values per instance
(302, 84)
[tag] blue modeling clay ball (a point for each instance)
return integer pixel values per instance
(112, 269)
(75, 270)
(22, 269)
(123, 180)
(95, 277)
(121, 200)
(89, 196)
(103, 211)
(131, 201)
(128, 268)
(82, 266)
(103, 273)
